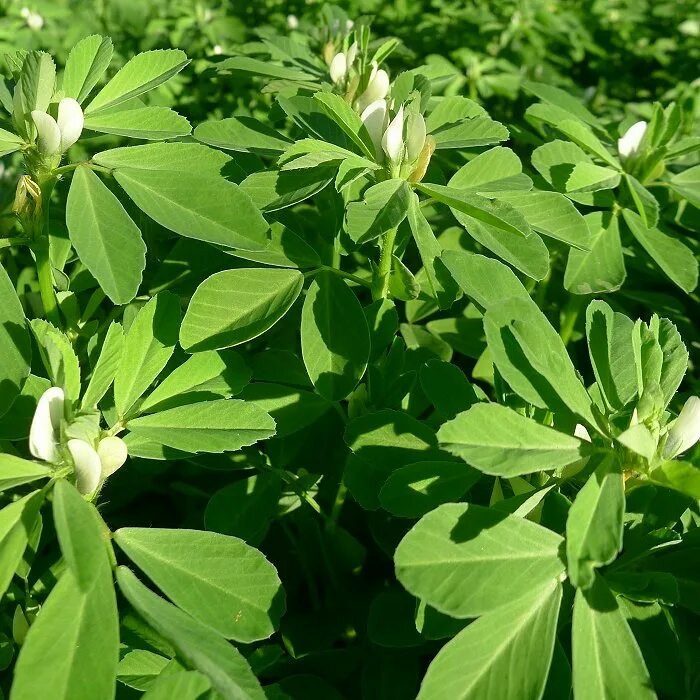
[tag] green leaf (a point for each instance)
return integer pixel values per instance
(530, 255)
(348, 120)
(223, 425)
(532, 358)
(607, 663)
(15, 424)
(36, 87)
(87, 62)
(148, 123)
(173, 157)
(142, 73)
(402, 283)
(646, 203)
(73, 645)
(201, 647)
(492, 171)
(675, 359)
(245, 508)
(416, 489)
(15, 471)
(610, 347)
(687, 184)
(469, 133)
(602, 268)
(204, 375)
(183, 685)
(594, 524)
(562, 99)
(195, 205)
(58, 357)
(148, 346)
(80, 534)
(673, 257)
(383, 442)
(219, 580)
(681, 476)
(272, 190)
(285, 249)
(335, 341)
(588, 177)
(383, 207)
(447, 388)
(292, 409)
(246, 64)
(15, 344)
(234, 306)
(106, 367)
(486, 210)
(497, 440)
(466, 560)
(105, 238)
(485, 280)
(583, 137)
(9, 142)
(442, 287)
(552, 215)
(243, 134)
(17, 521)
(506, 653)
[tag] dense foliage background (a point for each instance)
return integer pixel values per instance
(447, 469)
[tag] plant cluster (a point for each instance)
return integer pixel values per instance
(322, 378)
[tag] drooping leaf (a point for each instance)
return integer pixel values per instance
(201, 647)
(335, 340)
(108, 242)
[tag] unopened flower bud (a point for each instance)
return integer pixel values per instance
(57, 136)
(88, 468)
(377, 89)
(46, 424)
(628, 144)
(113, 453)
(338, 67)
(415, 136)
(374, 119)
(392, 142)
(685, 430)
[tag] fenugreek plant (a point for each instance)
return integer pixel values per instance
(321, 398)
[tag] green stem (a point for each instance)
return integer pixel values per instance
(380, 286)
(571, 312)
(43, 260)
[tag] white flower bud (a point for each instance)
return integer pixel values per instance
(112, 453)
(217, 49)
(49, 135)
(415, 136)
(338, 67)
(377, 89)
(57, 136)
(25, 12)
(35, 21)
(581, 432)
(374, 119)
(685, 430)
(351, 55)
(70, 122)
(292, 21)
(392, 142)
(88, 468)
(628, 145)
(43, 434)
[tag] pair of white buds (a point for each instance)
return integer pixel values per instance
(685, 430)
(58, 135)
(92, 466)
(628, 144)
(377, 85)
(402, 139)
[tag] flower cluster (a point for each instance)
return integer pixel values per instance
(93, 461)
